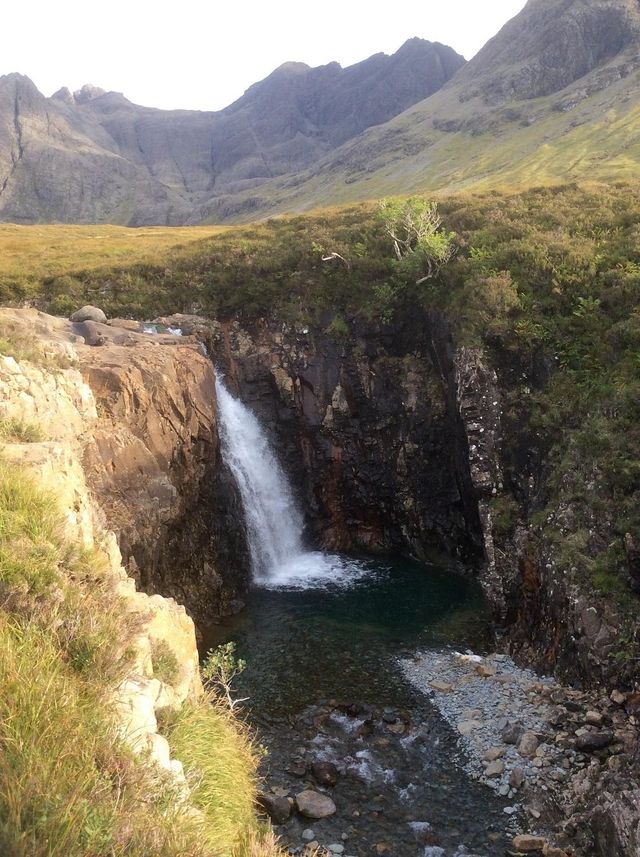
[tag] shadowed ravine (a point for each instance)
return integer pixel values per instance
(323, 679)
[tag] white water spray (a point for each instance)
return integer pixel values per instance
(273, 521)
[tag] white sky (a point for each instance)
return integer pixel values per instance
(203, 55)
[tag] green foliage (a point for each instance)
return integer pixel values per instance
(420, 245)
(164, 662)
(504, 515)
(220, 669)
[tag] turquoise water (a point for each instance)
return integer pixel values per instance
(322, 666)
(301, 645)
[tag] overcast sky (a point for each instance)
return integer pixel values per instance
(203, 55)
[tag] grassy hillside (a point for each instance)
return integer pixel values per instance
(29, 254)
(547, 278)
(69, 785)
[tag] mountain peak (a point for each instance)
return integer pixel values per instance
(88, 93)
(550, 44)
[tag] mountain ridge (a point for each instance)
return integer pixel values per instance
(553, 97)
(94, 156)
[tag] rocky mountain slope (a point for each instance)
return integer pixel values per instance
(554, 96)
(93, 156)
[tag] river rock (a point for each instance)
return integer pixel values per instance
(528, 744)
(466, 727)
(592, 741)
(325, 773)
(336, 848)
(441, 686)
(527, 844)
(495, 769)
(276, 807)
(314, 805)
(594, 718)
(512, 733)
(494, 753)
(308, 835)
(516, 778)
(89, 313)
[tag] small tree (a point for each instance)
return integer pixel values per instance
(421, 246)
(221, 668)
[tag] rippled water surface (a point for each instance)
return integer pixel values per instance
(324, 685)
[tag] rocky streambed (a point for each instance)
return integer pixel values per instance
(536, 758)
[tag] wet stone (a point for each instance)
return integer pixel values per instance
(325, 773)
(314, 805)
(276, 807)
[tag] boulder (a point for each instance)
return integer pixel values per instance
(89, 313)
(314, 805)
(276, 807)
(325, 773)
(528, 744)
(512, 733)
(592, 741)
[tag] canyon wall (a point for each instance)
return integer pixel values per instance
(398, 440)
(151, 456)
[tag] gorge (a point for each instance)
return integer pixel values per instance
(420, 485)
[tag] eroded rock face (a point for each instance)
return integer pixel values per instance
(146, 411)
(56, 402)
(366, 427)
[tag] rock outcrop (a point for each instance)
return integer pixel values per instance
(368, 426)
(59, 404)
(143, 408)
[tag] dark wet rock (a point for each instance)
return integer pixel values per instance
(366, 729)
(314, 805)
(276, 807)
(592, 741)
(325, 773)
(512, 733)
(297, 767)
(389, 715)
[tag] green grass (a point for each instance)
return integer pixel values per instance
(164, 661)
(69, 786)
(218, 777)
(20, 431)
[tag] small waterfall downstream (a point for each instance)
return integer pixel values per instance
(273, 521)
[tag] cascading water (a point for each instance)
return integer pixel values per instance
(274, 523)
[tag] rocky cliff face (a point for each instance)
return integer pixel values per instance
(368, 429)
(398, 441)
(43, 391)
(93, 156)
(151, 455)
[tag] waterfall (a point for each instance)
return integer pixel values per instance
(273, 521)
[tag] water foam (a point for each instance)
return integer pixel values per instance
(273, 521)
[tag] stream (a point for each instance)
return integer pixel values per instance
(322, 635)
(324, 686)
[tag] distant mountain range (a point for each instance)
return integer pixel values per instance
(554, 96)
